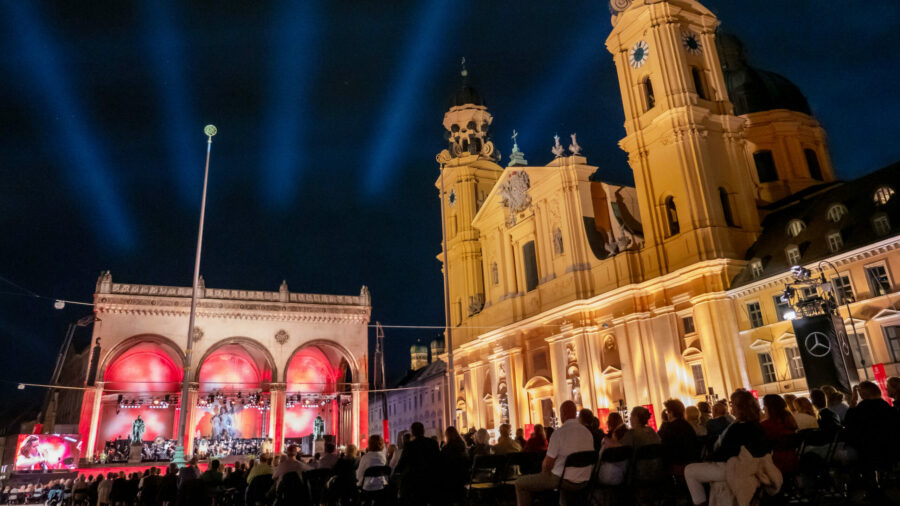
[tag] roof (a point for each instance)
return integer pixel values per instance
(419, 376)
(751, 89)
(811, 207)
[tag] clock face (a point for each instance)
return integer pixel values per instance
(638, 54)
(451, 199)
(691, 42)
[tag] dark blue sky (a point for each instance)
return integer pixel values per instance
(329, 116)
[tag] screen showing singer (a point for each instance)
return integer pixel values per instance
(41, 452)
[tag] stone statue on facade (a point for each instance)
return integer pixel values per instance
(574, 148)
(558, 150)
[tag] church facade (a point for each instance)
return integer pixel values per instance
(564, 286)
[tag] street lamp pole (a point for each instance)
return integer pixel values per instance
(449, 403)
(180, 457)
(849, 314)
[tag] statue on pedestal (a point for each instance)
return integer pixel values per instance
(137, 430)
(318, 428)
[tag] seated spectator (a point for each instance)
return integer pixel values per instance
(374, 457)
(397, 454)
(188, 473)
(836, 401)
(482, 444)
(744, 432)
(505, 444)
(778, 425)
(537, 441)
(343, 488)
(789, 400)
(719, 421)
(872, 427)
(454, 467)
(290, 464)
(212, 479)
(329, 458)
(610, 473)
(640, 433)
(150, 488)
(678, 437)
(587, 418)
(389, 453)
(705, 412)
(520, 437)
(263, 467)
(168, 486)
(826, 419)
(571, 437)
(616, 429)
(418, 483)
(693, 417)
(804, 414)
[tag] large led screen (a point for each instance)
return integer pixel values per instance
(42, 452)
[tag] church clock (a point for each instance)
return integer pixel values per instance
(691, 42)
(638, 54)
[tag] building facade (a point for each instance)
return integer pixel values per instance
(418, 397)
(564, 286)
(265, 364)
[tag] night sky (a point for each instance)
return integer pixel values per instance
(329, 118)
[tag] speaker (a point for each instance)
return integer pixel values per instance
(825, 352)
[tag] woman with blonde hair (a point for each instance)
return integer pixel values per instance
(692, 415)
(374, 457)
(804, 414)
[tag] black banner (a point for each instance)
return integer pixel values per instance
(825, 351)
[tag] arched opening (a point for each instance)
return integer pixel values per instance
(671, 217)
(699, 84)
(142, 378)
(726, 207)
(539, 391)
(812, 162)
(765, 166)
(649, 97)
(318, 397)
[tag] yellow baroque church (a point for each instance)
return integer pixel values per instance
(563, 286)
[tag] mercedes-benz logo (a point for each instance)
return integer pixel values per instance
(817, 344)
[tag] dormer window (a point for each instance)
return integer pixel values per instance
(756, 268)
(881, 225)
(794, 227)
(793, 255)
(883, 195)
(836, 212)
(835, 242)
(812, 163)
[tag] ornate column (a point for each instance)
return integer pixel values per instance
(191, 405)
(585, 369)
(354, 414)
(634, 375)
(518, 397)
(557, 370)
(716, 324)
(476, 380)
(276, 415)
(90, 419)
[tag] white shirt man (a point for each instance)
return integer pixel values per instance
(572, 437)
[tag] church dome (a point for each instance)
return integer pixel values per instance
(466, 95)
(751, 89)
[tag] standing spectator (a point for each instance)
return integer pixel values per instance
(454, 466)
(119, 491)
(826, 419)
(168, 486)
(872, 427)
(520, 437)
(571, 437)
(329, 458)
(778, 426)
(417, 485)
(640, 434)
(150, 488)
(104, 488)
(188, 473)
(705, 412)
(804, 414)
(212, 480)
(836, 401)
(678, 437)
(397, 454)
(290, 464)
(744, 432)
(482, 444)
(505, 444)
(693, 416)
(537, 441)
(893, 391)
(373, 457)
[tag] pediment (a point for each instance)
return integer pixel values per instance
(761, 346)
(787, 338)
(884, 314)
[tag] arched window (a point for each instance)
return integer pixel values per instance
(672, 216)
(699, 85)
(726, 207)
(794, 227)
(883, 195)
(881, 224)
(836, 212)
(529, 258)
(649, 98)
(812, 161)
(835, 241)
(765, 166)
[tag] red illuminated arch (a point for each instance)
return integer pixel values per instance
(234, 365)
(336, 360)
(146, 363)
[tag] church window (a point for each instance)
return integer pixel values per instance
(835, 242)
(755, 313)
(836, 212)
(881, 224)
(883, 195)
(767, 367)
(529, 258)
(649, 97)
(793, 255)
(672, 216)
(699, 380)
(687, 323)
(794, 227)
(795, 363)
(812, 162)
(765, 166)
(756, 267)
(726, 207)
(699, 86)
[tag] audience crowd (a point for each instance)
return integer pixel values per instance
(733, 450)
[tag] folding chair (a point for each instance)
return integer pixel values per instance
(316, 480)
(613, 493)
(486, 475)
(648, 476)
(381, 495)
(582, 492)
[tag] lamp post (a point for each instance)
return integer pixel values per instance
(849, 314)
(450, 402)
(179, 457)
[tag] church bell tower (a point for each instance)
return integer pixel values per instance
(684, 143)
